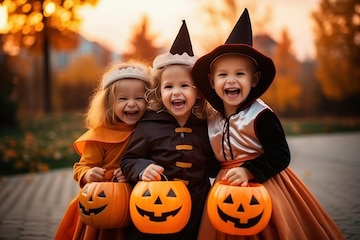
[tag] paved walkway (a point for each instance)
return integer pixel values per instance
(32, 205)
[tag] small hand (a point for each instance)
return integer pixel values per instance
(152, 173)
(95, 174)
(238, 176)
(119, 175)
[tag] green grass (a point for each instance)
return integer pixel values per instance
(40, 144)
(45, 143)
(320, 125)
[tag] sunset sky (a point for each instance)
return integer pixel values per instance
(110, 22)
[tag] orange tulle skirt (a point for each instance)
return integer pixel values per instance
(296, 214)
(72, 228)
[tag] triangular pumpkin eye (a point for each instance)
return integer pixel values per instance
(146, 193)
(102, 194)
(171, 193)
(254, 201)
(228, 199)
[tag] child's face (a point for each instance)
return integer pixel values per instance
(130, 104)
(232, 77)
(178, 92)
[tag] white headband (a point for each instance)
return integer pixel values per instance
(169, 59)
(117, 74)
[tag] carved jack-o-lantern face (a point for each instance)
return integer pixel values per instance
(160, 206)
(105, 204)
(239, 210)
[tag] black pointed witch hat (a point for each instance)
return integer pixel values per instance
(242, 32)
(238, 42)
(182, 42)
(181, 51)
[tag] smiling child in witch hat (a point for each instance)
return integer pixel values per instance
(248, 139)
(171, 138)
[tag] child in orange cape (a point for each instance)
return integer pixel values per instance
(248, 140)
(114, 111)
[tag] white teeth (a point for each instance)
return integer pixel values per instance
(232, 89)
(131, 113)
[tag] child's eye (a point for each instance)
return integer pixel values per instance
(168, 86)
(239, 73)
(122, 98)
(222, 74)
(185, 85)
(140, 98)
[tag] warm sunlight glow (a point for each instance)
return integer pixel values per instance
(3, 19)
(111, 22)
(35, 18)
(26, 8)
(49, 8)
(39, 27)
(68, 4)
(10, 48)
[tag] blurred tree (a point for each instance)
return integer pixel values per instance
(37, 24)
(284, 93)
(142, 43)
(76, 84)
(311, 95)
(8, 94)
(219, 17)
(337, 31)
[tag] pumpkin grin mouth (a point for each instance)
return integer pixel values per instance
(91, 210)
(251, 222)
(154, 218)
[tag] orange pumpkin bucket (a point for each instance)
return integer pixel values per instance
(160, 207)
(239, 210)
(105, 204)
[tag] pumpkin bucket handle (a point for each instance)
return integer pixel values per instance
(163, 177)
(114, 179)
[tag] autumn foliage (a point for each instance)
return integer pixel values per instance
(142, 46)
(285, 91)
(337, 31)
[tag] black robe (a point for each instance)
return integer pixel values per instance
(155, 140)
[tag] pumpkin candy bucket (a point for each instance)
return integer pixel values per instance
(239, 210)
(105, 204)
(160, 207)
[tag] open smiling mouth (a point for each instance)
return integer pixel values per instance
(251, 222)
(178, 102)
(232, 91)
(154, 218)
(131, 114)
